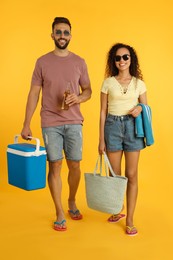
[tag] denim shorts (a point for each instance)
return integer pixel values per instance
(120, 134)
(67, 138)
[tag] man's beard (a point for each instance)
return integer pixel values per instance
(59, 46)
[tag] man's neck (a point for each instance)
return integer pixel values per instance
(61, 53)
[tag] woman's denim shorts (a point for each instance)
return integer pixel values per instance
(67, 138)
(120, 134)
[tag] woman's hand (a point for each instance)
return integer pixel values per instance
(101, 147)
(135, 111)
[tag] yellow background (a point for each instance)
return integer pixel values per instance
(26, 217)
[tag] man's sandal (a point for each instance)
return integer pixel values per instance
(131, 231)
(115, 218)
(59, 226)
(75, 214)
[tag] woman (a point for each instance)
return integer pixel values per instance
(121, 92)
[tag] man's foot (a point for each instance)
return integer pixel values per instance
(75, 215)
(131, 231)
(115, 218)
(73, 210)
(60, 226)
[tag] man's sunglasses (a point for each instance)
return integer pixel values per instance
(60, 33)
(125, 57)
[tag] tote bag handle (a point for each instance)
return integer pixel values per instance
(107, 165)
(99, 160)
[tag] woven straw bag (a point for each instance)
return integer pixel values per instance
(105, 193)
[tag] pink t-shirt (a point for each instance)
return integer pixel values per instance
(53, 73)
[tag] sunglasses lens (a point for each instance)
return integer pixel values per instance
(66, 33)
(125, 57)
(117, 58)
(59, 32)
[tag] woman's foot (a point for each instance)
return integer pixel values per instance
(131, 231)
(116, 217)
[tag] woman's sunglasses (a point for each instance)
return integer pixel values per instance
(125, 57)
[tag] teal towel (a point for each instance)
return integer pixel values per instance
(143, 125)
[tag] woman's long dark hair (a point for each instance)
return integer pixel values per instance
(111, 69)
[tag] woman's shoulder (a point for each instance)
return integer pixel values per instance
(107, 83)
(140, 85)
(139, 82)
(109, 79)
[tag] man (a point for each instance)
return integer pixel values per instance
(61, 129)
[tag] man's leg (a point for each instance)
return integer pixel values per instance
(55, 185)
(73, 181)
(73, 153)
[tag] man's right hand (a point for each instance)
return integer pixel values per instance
(26, 132)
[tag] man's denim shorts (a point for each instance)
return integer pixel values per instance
(65, 137)
(120, 134)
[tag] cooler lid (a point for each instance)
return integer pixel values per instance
(25, 147)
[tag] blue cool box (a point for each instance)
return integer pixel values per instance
(26, 166)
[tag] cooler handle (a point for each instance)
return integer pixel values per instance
(29, 137)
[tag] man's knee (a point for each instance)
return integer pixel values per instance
(73, 165)
(55, 166)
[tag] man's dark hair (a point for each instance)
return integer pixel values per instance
(60, 20)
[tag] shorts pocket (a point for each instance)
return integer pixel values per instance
(109, 121)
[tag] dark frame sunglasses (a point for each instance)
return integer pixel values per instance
(125, 57)
(60, 33)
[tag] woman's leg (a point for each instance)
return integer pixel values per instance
(115, 161)
(131, 172)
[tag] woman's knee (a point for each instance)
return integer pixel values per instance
(132, 177)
